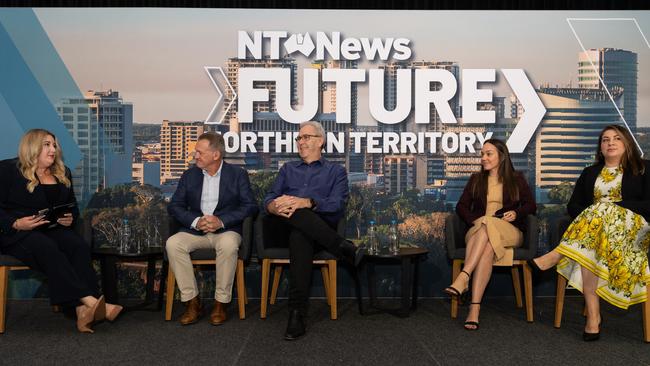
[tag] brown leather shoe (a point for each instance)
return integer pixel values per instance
(218, 314)
(192, 311)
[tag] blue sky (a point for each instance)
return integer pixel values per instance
(155, 57)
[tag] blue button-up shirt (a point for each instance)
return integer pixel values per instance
(324, 182)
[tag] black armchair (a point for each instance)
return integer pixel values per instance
(207, 256)
(455, 230)
(9, 263)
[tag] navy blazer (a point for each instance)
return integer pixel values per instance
(16, 201)
(635, 191)
(236, 201)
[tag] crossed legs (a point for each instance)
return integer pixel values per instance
(479, 257)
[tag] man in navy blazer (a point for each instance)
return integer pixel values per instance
(211, 201)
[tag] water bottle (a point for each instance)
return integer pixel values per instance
(373, 240)
(126, 236)
(393, 238)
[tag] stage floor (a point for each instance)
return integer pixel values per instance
(36, 335)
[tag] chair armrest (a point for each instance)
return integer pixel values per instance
(246, 246)
(558, 227)
(454, 239)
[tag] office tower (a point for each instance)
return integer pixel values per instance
(177, 142)
(567, 138)
(399, 173)
(234, 64)
(390, 93)
(115, 119)
(327, 108)
(616, 68)
(101, 124)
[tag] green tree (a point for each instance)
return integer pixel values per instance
(359, 206)
(561, 193)
(261, 182)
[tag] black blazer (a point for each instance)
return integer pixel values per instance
(17, 202)
(635, 191)
(236, 200)
(470, 209)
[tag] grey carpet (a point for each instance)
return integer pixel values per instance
(35, 335)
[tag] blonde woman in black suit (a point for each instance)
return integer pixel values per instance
(34, 181)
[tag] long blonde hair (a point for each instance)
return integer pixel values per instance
(29, 150)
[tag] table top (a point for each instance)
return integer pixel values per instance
(403, 252)
(151, 251)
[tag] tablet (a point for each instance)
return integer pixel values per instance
(53, 213)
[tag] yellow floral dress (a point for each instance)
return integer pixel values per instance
(610, 241)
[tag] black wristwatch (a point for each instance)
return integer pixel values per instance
(313, 203)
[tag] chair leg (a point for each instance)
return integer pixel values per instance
(241, 289)
(266, 269)
(169, 293)
(528, 292)
(645, 310)
(332, 288)
(4, 283)
(516, 283)
(326, 285)
(455, 271)
(559, 300)
(277, 274)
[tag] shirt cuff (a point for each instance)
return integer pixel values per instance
(196, 221)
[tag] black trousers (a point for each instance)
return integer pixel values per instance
(306, 232)
(64, 257)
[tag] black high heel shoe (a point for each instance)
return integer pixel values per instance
(534, 266)
(590, 337)
(471, 322)
(453, 291)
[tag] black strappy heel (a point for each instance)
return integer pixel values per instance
(471, 322)
(452, 291)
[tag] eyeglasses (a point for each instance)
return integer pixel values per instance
(305, 137)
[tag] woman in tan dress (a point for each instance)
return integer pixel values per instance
(494, 204)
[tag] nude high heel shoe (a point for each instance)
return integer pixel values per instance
(96, 313)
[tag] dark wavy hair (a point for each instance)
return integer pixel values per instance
(506, 171)
(631, 160)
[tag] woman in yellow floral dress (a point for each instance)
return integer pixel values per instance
(603, 253)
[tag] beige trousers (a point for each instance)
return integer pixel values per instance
(226, 244)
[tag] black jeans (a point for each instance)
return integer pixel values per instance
(64, 257)
(306, 232)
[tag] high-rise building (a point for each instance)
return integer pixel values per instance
(567, 138)
(616, 68)
(390, 93)
(101, 123)
(234, 64)
(399, 173)
(327, 108)
(177, 142)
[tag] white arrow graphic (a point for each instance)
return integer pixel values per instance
(534, 110)
(214, 117)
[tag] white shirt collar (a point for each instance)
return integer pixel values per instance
(205, 172)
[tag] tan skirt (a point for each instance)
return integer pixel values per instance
(503, 237)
